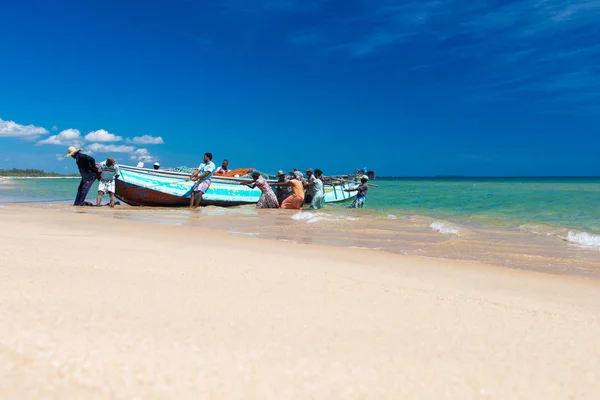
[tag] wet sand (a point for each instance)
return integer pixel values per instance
(96, 308)
(404, 234)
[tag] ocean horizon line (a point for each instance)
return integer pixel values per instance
(545, 177)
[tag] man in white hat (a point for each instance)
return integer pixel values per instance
(156, 165)
(87, 170)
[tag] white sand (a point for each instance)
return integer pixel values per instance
(99, 308)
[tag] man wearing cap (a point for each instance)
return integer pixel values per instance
(156, 165)
(282, 192)
(361, 193)
(309, 183)
(295, 201)
(87, 170)
(109, 170)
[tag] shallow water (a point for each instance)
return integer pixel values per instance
(550, 226)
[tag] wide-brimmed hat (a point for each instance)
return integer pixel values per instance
(364, 177)
(71, 151)
(309, 170)
(157, 164)
(280, 172)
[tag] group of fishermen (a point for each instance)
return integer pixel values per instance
(293, 190)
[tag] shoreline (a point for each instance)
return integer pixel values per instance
(116, 308)
(342, 228)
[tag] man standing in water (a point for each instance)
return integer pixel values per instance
(282, 192)
(87, 170)
(309, 185)
(203, 177)
(361, 195)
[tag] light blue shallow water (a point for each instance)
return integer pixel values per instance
(59, 190)
(568, 203)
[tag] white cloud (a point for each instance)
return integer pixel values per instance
(12, 129)
(147, 139)
(142, 155)
(109, 148)
(68, 137)
(102, 136)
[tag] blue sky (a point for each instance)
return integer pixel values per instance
(423, 87)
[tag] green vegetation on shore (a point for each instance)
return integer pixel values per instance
(30, 172)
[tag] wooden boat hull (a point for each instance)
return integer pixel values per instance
(146, 187)
(139, 196)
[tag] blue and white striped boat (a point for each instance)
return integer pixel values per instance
(163, 188)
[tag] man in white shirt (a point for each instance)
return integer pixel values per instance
(223, 169)
(202, 176)
(109, 171)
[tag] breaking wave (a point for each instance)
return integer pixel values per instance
(312, 217)
(445, 228)
(583, 239)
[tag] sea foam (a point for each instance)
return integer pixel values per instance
(583, 239)
(445, 228)
(312, 217)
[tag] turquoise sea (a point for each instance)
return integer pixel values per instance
(567, 202)
(544, 224)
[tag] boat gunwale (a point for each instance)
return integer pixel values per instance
(216, 178)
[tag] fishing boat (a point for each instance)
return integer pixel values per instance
(169, 188)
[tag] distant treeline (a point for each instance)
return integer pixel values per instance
(37, 173)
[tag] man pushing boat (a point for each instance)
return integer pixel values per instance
(87, 170)
(109, 171)
(202, 176)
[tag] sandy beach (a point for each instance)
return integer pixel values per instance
(103, 308)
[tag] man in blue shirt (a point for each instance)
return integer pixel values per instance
(88, 172)
(202, 176)
(109, 170)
